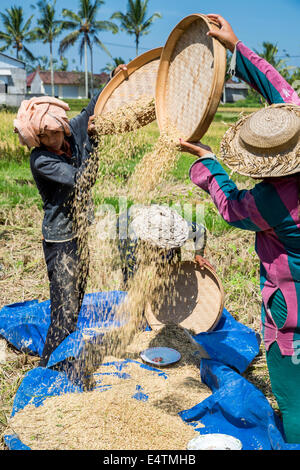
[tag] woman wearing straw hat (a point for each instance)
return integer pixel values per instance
(59, 161)
(265, 145)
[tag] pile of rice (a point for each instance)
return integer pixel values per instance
(131, 407)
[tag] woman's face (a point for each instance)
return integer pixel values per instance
(53, 140)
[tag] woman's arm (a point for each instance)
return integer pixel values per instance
(50, 167)
(84, 119)
(237, 207)
(253, 69)
(79, 123)
(262, 77)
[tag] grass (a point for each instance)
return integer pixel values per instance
(77, 105)
(23, 274)
(17, 185)
(251, 101)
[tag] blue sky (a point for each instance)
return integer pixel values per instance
(253, 21)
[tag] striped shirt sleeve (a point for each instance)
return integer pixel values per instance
(237, 207)
(262, 76)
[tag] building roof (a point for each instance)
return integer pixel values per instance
(30, 77)
(11, 62)
(234, 84)
(66, 78)
(13, 58)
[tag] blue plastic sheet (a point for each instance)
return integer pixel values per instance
(235, 407)
(230, 342)
(25, 325)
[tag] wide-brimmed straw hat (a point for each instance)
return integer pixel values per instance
(159, 226)
(265, 144)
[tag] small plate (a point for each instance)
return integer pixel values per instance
(160, 356)
(214, 442)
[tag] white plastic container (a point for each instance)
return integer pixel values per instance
(214, 442)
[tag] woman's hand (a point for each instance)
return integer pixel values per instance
(91, 126)
(203, 262)
(198, 149)
(119, 68)
(225, 34)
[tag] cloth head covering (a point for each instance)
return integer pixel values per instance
(39, 114)
(265, 144)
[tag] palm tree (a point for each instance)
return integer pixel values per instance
(295, 80)
(134, 21)
(110, 66)
(48, 29)
(43, 63)
(85, 27)
(17, 31)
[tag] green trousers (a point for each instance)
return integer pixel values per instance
(285, 376)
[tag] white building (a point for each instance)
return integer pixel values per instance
(234, 91)
(12, 80)
(66, 84)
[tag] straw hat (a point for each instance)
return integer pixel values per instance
(265, 144)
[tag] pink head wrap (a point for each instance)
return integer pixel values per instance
(39, 114)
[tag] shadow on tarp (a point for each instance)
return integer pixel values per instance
(236, 407)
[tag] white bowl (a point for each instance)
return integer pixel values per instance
(160, 356)
(214, 442)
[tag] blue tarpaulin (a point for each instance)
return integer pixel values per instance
(236, 407)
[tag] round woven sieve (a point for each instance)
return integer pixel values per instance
(126, 87)
(190, 78)
(195, 300)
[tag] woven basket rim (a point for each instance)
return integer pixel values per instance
(217, 85)
(132, 66)
(154, 323)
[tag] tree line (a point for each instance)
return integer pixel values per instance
(81, 27)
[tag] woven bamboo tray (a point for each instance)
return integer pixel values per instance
(190, 78)
(195, 301)
(138, 81)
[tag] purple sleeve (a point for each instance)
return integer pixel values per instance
(262, 76)
(237, 207)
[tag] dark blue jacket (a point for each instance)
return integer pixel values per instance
(56, 176)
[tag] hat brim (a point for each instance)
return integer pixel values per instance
(258, 165)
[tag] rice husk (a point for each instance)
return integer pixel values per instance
(99, 421)
(154, 166)
(127, 118)
(137, 409)
(152, 275)
(90, 420)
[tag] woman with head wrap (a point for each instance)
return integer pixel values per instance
(59, 160)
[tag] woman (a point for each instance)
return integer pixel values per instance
(61, 166)
(266, 146)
